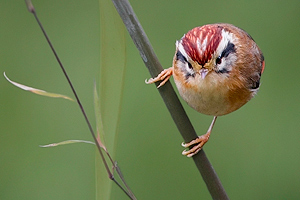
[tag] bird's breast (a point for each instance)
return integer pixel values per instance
(211, 95)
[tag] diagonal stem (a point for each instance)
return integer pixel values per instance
(32, 10)
(127, 191)
(169, 96)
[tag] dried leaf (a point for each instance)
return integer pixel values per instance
(37, 91)
(67, 142)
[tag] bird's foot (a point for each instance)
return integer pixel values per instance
(164, 76)
(196, 145)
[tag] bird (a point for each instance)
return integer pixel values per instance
(217, 69)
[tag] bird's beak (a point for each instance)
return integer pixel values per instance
(203, 72)
(205, 69)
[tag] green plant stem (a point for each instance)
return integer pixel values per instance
(128, 192)
(169, 96)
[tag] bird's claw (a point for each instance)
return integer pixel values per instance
(164, 76)
(196, 145)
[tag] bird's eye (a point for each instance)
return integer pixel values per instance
(218, 60)
(190, 65)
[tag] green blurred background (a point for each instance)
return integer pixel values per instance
(255, 151)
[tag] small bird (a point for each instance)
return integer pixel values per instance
(217, 69)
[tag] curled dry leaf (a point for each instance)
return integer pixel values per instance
(37, 91)
(67, 142)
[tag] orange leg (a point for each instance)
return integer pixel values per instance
(198, 142)
(164, 76)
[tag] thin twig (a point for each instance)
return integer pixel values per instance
(31, 9)
(169, 96)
